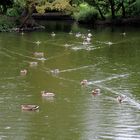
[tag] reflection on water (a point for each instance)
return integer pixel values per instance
(110, 61)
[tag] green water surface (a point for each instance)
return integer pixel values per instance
(111, 62)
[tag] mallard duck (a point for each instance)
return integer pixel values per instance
(53, 34)
(70, 33)
(89, 35)
(96, 91)
(88, 39)
(84, 82)
(47, 94)
(29, 107)
(39, 54)
(123, 33)
(23, 72)
(22, 33)
(55, 71)
(78, 34)
(120, 98)
(67, 45)
(33, 64)
(38, 42)
(109, 43)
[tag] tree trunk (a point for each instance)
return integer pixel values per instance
(99, 9)
(123, 8)
(101, 14)
(26, 16)
(112, 4)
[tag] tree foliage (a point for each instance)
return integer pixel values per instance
(85, 13)
(103, 9)
(4, 4)
(56, 5)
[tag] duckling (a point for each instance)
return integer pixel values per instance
(47, 94)
(28, 107)
(23, 72)
(84, 82)
(96, 91)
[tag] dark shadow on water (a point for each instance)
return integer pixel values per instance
(51, 25)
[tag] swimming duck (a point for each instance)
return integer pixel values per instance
(67, 45)
(23, 72)
(28, 107)
(84, 82)
(78, 35)
(22, 33)
(39, 54)
(123, 33)
(120, 98)
(89, 35)
(96, 91)
(109, 43)
(53, 34)
(47, 94)
(32, 64)
(88, 39)
(38, 42)
(55, 71)
(85, 43)
(70, 32)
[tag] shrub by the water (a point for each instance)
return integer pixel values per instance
(12, 12)
(6, 24)
(85, 13)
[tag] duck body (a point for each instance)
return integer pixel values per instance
(89, 35)
(32, 64)
(84, 82)
(38, 42)
(109, 43)
(53, 34)
(23, 72)
(39, 54)
(123, 33)
(28, 107)
(47, 94)
(96, 91)
(55, 71)
(120, 98)
(78, 34)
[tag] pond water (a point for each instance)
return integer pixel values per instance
(109, 61)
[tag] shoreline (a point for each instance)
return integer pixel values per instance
(130, 21)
